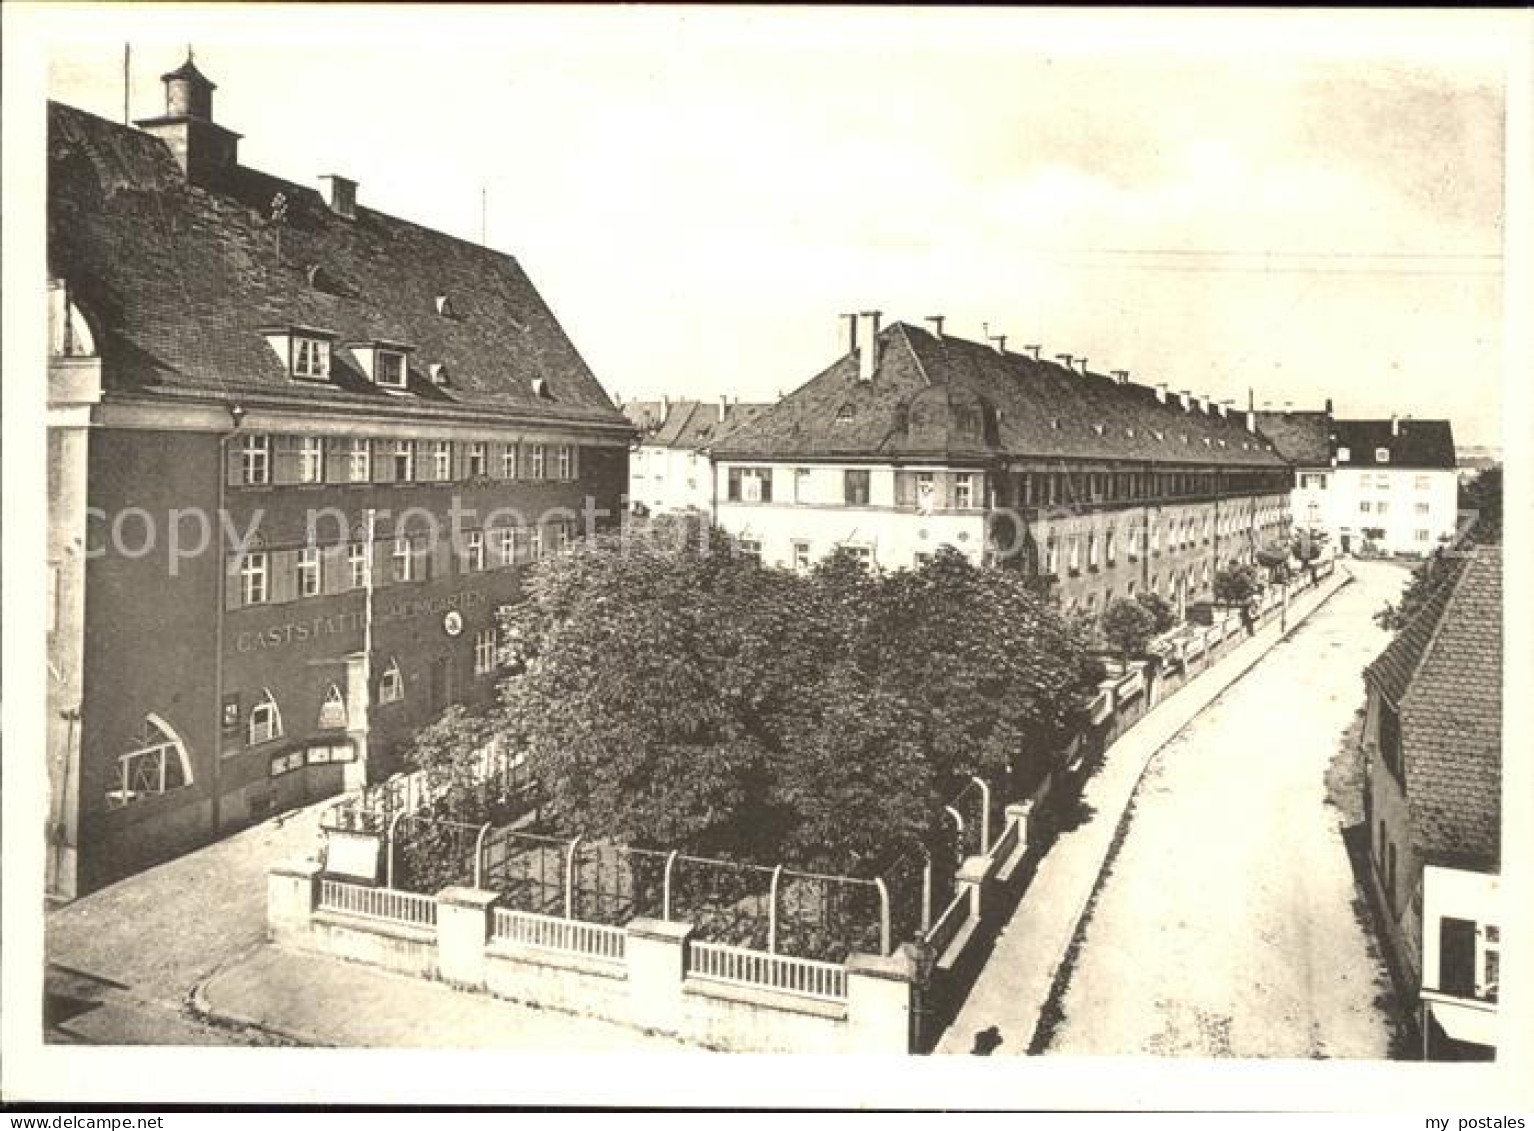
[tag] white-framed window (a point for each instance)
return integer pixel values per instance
(506, 545)
(484, 651)
(474, 551)
(404, 559)
(1421, 508)
(478, 460)
(566, 462)
(1382, 481)
(356, 565)
(963, 492)
(535, 461)
(535, 543)
(311, 459)
(265, 723)
(1381, 507)
(750, 548)
(389, 369)
(1422, 535)
(309, 571)
(801, 555)
(559, 537)
(155, 762)
(1073, 553)
(509, 462)
(1365, 506)
(1110, 550)
(442, 460)
(404, 460)
(391, 684)
(1381, 455)
(1422, 482)
(749, 485)
(359, 461)
(256, 460)
(254, 575)
(311, 357)
(1344, 455)
(1488, 961)
(1051, 556)
(1092, 550)
(864, 555)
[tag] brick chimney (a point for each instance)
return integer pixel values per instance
(868, 352)
(1161, 389)
(724, 408)
(1395, 425)
(202, 148)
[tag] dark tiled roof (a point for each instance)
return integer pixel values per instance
(1417, 443)
(954, 399)
(1447, 681)
(182, 278)
(1302, 438)
(690, 425)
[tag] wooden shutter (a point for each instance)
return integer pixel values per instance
(338, 461)
(285, 459)
(281, 576)
(234, 461)
(233, 596)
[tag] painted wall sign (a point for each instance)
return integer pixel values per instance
(304, 631)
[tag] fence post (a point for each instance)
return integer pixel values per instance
(479, 853)
(926, 890)
(884, 915)
(389, 863)
(665, 887)
(570, 877)
(985, 814)
(772, 911)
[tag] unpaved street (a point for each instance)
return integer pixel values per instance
(1226, 925)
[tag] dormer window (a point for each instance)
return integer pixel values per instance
(541, 389)
(389, 369)
(385, 363)
(304, 350)
(445, 307)
(1381, 455)
(1343, 455)
(311, 357)
(438, 373)
(844, 414)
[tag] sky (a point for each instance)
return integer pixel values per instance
(1302, 205)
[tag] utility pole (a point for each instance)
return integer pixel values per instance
(483, 211)
(127, 52)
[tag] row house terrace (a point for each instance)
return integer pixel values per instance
(917, 439)
(300, 452)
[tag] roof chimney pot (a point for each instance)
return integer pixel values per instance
(1034, 350)
(1161, 391)
(936, 322)
(1001, 342)
(868, 354)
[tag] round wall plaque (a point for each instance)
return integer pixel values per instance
(452, 622)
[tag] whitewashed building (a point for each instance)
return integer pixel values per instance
(669, 466)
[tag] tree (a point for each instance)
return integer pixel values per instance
(1436, 571)
(1481, 500)
(1236, 584)
(673, 694)
(1160, 609)
(1274, 559)
(1129, 626)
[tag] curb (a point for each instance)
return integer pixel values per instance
(1061, 966)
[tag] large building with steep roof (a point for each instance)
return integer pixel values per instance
(915, 439)
(299, 451)
(1432, 801)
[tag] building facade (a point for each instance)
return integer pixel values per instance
(1432, 803)
(300, 453)
(916, 439)
(669, 468)
(1374, 486)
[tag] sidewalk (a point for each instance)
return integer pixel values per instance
(1011, 992)
(312, 999)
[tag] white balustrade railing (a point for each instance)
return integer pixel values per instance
(388, 904)
(806, 977)
(548, 932)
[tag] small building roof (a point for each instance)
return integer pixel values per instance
(1421, 444)
(1443, 674)
(690, 425)
(1302, 438)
